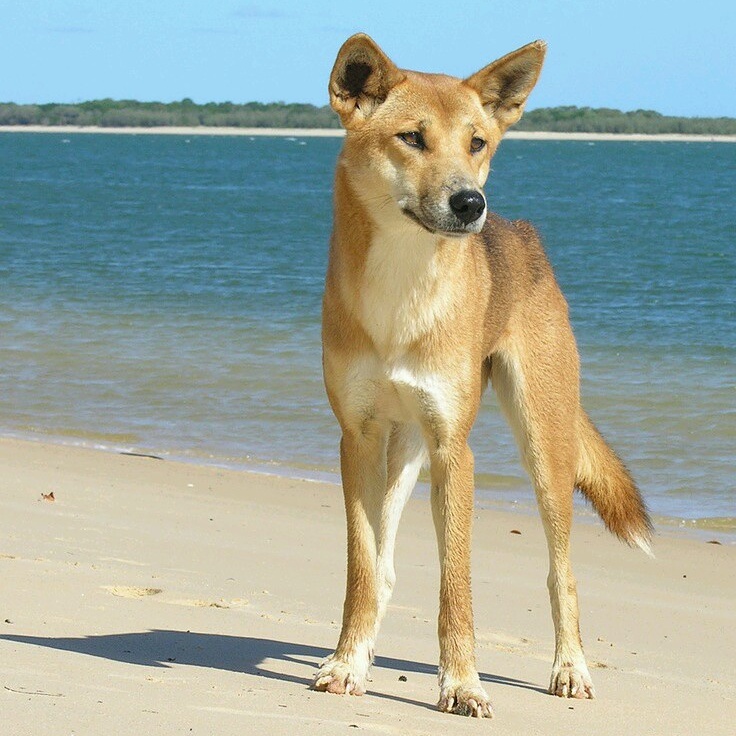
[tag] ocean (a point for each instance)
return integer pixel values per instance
(161, 294)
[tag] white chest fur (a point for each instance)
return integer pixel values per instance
(407, 287)
(397, 391)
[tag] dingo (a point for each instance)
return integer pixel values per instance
(428, 295)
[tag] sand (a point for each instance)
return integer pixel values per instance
(338, 132)
(155, 597)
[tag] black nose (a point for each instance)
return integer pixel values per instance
(467, 205)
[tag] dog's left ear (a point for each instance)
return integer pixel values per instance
(361, 79)
(505, 84)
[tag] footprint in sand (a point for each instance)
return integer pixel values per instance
(504, 642)
(128, 591)
(197, 603)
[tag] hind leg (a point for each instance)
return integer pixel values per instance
(540, 399)
(406, 455)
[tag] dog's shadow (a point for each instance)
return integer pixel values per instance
(244, 654)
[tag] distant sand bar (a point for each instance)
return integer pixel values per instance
(338, 132)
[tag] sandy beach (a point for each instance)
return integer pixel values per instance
(339, 132)
(156, 597)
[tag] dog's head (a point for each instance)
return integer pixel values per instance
(425, 141)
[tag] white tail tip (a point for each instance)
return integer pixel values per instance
(644, 545)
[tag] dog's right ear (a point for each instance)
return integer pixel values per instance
(361, 79)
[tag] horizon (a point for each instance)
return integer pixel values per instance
(326, 104)
(657, 56)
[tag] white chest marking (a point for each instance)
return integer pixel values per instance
(405, 291)
(397, 391)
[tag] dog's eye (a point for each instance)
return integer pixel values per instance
(413, 138)
(477, 144)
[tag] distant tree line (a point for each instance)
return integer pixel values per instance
(605, 120)
(132, 114)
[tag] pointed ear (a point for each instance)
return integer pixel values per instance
(505, 84)
(361, 79)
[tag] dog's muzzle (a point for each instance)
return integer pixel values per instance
(458, 214)
(467, 205)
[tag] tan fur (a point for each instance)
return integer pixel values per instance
(427, 296)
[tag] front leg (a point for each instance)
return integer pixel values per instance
(452, 509)
(363, 466)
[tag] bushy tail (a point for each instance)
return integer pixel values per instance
(604, 480)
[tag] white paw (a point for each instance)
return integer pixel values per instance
(465, 699)
(571, 681)
(337, 676)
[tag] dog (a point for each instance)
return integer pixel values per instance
(428, 296)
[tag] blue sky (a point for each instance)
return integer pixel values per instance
(675, 57)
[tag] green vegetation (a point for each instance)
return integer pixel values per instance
(604, 120)
(132, 114)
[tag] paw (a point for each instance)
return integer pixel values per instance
(570, 681)
(465, 700)
(337, 676)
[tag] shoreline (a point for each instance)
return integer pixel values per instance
(707, 529)
(171, 598)
(339, 132)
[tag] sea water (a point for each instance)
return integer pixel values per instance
(162, 294)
